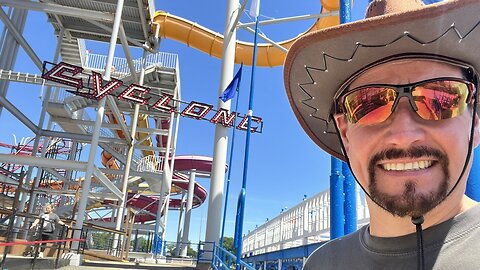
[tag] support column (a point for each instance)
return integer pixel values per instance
(72, 156)
(188, 213)
(82, 206)
(337, 215)
(122, 203)
(180, 223)
(46, 98)
(473, 183)
(215, 200)
(164, 196)
(350, 207)
(9, 50)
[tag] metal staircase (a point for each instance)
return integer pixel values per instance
(73, 50)
(75, 103)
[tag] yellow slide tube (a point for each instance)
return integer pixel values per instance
(210, 42)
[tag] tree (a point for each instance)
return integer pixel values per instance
(142, 244)
(228, 244)
(172, 249)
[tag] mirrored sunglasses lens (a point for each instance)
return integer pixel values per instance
(441, 99)
(369, 105)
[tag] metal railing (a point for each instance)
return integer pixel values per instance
(220, 258)
(150, 163)
(13, 242)
(307, 222)
(120, 65)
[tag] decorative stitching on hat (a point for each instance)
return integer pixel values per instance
(358, 45)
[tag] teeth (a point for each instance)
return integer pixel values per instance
(417, 165)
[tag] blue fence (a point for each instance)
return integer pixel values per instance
(285, 259)
(220, 258)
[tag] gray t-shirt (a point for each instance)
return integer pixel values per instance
(50, 221)
(453, 244)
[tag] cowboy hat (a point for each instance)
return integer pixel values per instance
(318, 64)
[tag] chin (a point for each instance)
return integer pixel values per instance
(410, 201)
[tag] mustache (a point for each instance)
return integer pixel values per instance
(412, 152)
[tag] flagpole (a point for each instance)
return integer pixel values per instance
(229, 169)
(241, 198)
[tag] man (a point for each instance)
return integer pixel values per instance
(395, 96)
(50, 219)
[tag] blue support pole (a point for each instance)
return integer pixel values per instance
(350, 206)
(473, 183)
(337, 216)
(230, 161)
(241, 199)
(349, 182)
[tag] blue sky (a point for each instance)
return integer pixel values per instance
(284, 164)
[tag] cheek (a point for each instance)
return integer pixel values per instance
(456, 146)
(362, 145)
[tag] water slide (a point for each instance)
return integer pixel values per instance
(149, 203)
(210, 42)
(203, 166)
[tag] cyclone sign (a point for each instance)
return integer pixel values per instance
(94, 87)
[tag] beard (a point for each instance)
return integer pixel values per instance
(410, 202)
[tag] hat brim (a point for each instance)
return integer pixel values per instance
(319, 63)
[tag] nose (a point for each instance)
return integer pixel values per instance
(404, 127)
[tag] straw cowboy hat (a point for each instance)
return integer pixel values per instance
(318, 64)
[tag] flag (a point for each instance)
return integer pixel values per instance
(255, 8)
(229, 92)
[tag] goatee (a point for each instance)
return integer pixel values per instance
(409, 203)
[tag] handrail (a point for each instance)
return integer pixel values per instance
(150, 163)
(97, 62)
(9, 244)
(222, 259)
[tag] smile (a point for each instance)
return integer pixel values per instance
(407, 166)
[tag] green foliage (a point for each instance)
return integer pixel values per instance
(142, 243)
(171, 248)
(228, 244)
(102, 240)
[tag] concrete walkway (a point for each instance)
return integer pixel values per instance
(127, 265)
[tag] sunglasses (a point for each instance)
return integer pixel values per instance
(434, 99)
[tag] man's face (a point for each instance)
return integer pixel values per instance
(407, 164)
(49, 209)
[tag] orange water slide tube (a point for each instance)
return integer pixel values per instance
(210, 42)
(142, 122)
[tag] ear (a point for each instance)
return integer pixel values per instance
(476, 132)
(342, 126)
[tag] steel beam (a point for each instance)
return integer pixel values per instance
(15, 76)
(124, 40)
(119, 117)
(79, 137)
(290, 19)
(132, 173)
(264, 37)
(44, 162)
(59, 10)
(151, 148)
(8, 180)
(19, 38)
(143, 19)
(66, 120)
(17, 113)
(107, 183)
(142, 227)
(56, 174)
(107, 30)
